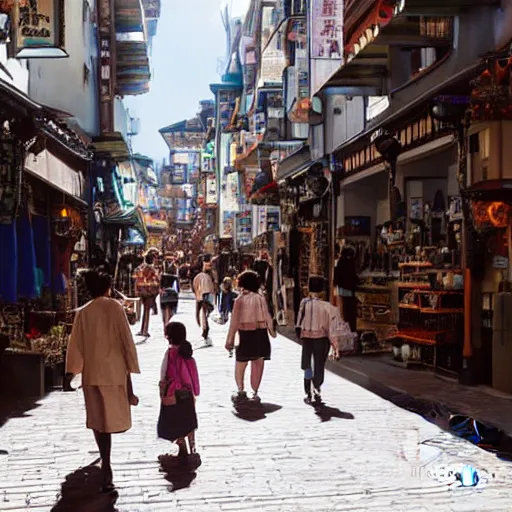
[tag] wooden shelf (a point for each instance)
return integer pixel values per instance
(421, 337)
(446, 311)
(414, 286)
(416, 264)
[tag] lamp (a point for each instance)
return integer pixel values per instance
(390, 148)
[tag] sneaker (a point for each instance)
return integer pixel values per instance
(317, 395)
(308, 400)
(208, 342)
(241, 396)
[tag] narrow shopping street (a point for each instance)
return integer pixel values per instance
(359, 453)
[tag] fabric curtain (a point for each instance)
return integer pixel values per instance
(42, 247)
(9, 266)
(26, 258)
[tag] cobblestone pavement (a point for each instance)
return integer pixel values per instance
(359, 453)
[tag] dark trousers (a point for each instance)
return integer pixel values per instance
(318, 350)
(202, 314)
(147, 307)
(350, 312)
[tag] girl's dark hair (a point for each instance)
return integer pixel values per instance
(316, 284)
(176, 333)
(97, 283)
(249, 281)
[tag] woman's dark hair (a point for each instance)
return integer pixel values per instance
(176, 333)
(249, 281)
(316, 284)
(97, 283)
(149, 259)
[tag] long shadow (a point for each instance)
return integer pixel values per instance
(81, 492)
(179, 472)
(326, 413)
(254, 412)
(16, 407)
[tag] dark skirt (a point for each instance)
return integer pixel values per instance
(253, 345)
(177, 421)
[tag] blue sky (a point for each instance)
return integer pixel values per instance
(186, 49)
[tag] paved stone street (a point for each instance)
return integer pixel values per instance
(360, 453)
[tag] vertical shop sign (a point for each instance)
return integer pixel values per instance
(228, 220)
(326, 40)
(105, 79)
(211, 191)
(39, 29)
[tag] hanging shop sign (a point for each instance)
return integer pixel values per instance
(227, 228)
(179, 174)
(39, 29)
(326, 41)
(230, 199)
(211, 192)
(244, 226)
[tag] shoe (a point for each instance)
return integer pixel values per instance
(308, 400)
(241, 396)
(208, 342)
(256, 398)
(317, 396)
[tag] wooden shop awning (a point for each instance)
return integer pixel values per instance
(111, 145)
(373, 27)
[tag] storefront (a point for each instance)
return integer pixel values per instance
(402, 220)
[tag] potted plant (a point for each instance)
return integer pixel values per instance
(52, 347)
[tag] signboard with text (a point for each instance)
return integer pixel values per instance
(39, 29)
(326, 40)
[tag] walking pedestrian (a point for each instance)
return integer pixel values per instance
(101, 348)
(226, 299)
(251, 319)
(320, 328)
(147, 285)
(169, 297)
(204, 292)
(179, 385)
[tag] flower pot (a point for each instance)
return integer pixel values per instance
(54, 377)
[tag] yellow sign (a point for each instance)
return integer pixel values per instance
(39, 29)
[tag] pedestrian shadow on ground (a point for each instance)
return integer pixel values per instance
(16, 408)
(326, 413)
(255, 412)
(81, 492)
(178, 472)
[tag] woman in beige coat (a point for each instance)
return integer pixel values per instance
(101, 348)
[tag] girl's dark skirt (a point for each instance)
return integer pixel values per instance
(177, 421)
(253, 345)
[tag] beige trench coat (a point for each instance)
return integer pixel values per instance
(102, 349)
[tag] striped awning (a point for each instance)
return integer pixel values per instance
(129, 16)
(133, 74)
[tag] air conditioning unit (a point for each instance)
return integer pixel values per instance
(489, 151)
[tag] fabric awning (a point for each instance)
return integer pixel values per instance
(132, 217)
